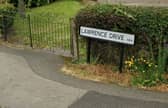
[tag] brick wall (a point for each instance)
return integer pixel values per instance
(137, 2)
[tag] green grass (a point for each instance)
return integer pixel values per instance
(68, 8)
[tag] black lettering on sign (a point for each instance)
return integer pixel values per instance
(116, 36)
(121, 37)
(108, 35)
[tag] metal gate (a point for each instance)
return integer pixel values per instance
(43, 31)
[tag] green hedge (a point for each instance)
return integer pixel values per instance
(7, 13)
(147, 23)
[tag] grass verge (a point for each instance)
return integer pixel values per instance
(106, 74)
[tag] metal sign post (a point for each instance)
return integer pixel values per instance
(122, 47)
(88, 50)
(122, 38)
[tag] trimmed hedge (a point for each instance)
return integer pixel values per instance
(147, 23)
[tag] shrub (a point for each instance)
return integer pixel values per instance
(147, 23)
(109, 18)
(7, 13)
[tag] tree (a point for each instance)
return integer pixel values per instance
(21, 8)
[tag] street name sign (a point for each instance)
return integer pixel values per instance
(118, 37)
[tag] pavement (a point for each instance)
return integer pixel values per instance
(33, 79)
(158, 3)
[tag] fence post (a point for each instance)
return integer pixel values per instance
(74, 40)
(1, 29)
(166, 55)
(30, 31)
(4, 24)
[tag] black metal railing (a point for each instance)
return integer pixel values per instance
(44, 31)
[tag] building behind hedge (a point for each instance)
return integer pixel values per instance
(137, 2)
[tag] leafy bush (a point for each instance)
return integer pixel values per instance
(147, 23)
(109, 18)
(7, 12)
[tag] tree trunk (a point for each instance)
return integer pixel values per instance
(21, 8)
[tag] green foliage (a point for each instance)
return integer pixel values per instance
(67, 8)
(14, 2)
(145, 22)
(6, 8)
(147, 72)
(7, 12)
(150, 26)
(109, 18)
(49, 23)
(162, 56)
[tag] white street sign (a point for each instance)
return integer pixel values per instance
(107, 35)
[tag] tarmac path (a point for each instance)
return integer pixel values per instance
(32, 79)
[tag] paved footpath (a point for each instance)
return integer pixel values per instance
(32, 79)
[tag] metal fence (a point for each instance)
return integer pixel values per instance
(43, 31)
